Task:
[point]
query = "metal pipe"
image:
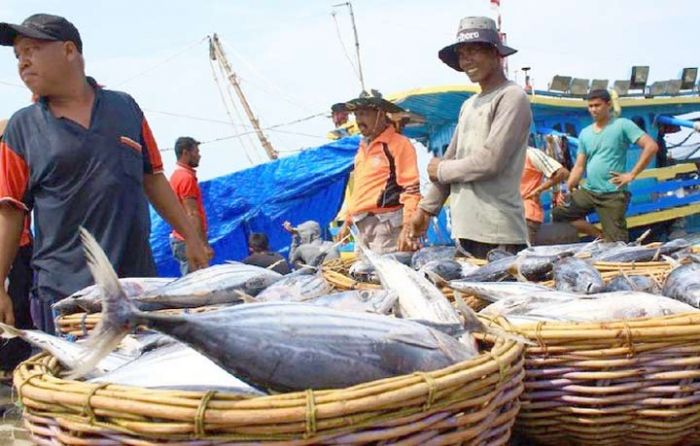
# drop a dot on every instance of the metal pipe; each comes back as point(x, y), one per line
point(668, 120)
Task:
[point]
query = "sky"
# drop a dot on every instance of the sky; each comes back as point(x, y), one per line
point(294, 61)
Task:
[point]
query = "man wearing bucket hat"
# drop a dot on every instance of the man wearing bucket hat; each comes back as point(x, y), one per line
point(484, 161)
point(386, 182)
point(80, 156)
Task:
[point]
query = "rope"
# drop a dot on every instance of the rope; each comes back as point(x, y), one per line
point(538, 337)
point(501, 368)
point(228, 112)
point(26, 381)
point(199, 416)
point(162, 62)
point(83, 324)
point(432, 389)
point(310, 414)
point(628, 338)
point(87, 407)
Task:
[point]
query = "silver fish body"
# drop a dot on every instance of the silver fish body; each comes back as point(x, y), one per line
point(443, 269)
point(363, 271)
point(620, 305)
point(577, 276)
point(370, 301)
point(624, 282)
point(495, 291)
point(69, 354)
point(88, 299)
point(430, 254)
point(683, 284)
point(176, 366)
point(641, 253)
point(295, 288)
point(216, 285)
point(497, 254)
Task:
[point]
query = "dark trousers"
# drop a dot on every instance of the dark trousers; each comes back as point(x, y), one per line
point(480, 250)
point(14, 351)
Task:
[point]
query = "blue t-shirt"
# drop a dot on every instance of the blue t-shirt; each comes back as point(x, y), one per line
point(606, 151)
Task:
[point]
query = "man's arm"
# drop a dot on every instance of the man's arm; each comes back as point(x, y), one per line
point(577, 171)
point(163, 199)
point(11, 224)
point(649, 149)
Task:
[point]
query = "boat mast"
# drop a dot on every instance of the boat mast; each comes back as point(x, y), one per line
point(216, 52)
point(357, 42)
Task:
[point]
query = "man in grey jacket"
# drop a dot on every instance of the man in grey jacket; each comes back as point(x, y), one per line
point(482, 166)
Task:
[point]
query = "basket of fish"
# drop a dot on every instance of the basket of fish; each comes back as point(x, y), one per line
point(614, 362)
point(276, 372)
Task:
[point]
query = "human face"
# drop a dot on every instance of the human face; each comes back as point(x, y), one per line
point(370, 121)
point(599, 109)
point(478, 60)
point(194, 156)
point(41, 64)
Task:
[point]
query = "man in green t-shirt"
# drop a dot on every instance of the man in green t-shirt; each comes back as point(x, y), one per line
point(602, 154)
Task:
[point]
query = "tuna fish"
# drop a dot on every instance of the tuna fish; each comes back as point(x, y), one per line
point(295, 288)
point(497, 254)
point(683, 284)
point(363, 271)
point(69, 354)
point(443, 270)
point(282, 346)
point(370, 301)
point(176, 366)
point(620, 305)
point(625, 282)
point(531, 267)
point(641, 253)
point(216, 285)
point(88, 299)
point(432, 253)
point(495, 291)
point(577, 276)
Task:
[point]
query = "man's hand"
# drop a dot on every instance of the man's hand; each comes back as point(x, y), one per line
point(343, 232)
point(621, 179)
point(287, 226)
point(433, 169)
point(7, 315)
point(406, 242)
point(209, 251)
point(418, 225)
point(197, 255)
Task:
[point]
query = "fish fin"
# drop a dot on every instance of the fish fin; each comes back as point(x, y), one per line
point(279, 262)
point(118, 313)
point(9, 332)
point(514, 269)
point(245, 297)
point(642, 237)
point(629, 281)
point(434, 277)
point(448, 329)
point(463, 251)
point(478, 325)
point(409, 337)
point(673, 262)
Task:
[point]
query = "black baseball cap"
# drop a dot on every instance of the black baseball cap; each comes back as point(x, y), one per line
point(42, 27)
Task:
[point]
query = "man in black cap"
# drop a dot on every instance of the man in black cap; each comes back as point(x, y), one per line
point(483, 164)
point(79, 156)
point(343, 127)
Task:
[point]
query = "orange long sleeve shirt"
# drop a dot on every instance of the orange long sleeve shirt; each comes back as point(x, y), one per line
point(386, 176)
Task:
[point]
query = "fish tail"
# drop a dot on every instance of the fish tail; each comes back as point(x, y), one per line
point(9, 332)
point(118, 314)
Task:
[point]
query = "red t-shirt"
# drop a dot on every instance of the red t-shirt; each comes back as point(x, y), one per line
point(184, 184)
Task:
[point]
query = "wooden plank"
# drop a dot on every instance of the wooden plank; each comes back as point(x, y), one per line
point(666, 214)
point(666, 173)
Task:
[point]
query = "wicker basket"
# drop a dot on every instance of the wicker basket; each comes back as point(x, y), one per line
point(471, 403)
point(614, 383)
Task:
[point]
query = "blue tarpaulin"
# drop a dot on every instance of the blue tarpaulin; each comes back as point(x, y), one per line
point(307, 186)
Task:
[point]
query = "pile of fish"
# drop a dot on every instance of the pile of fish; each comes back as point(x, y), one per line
point(286, 333)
